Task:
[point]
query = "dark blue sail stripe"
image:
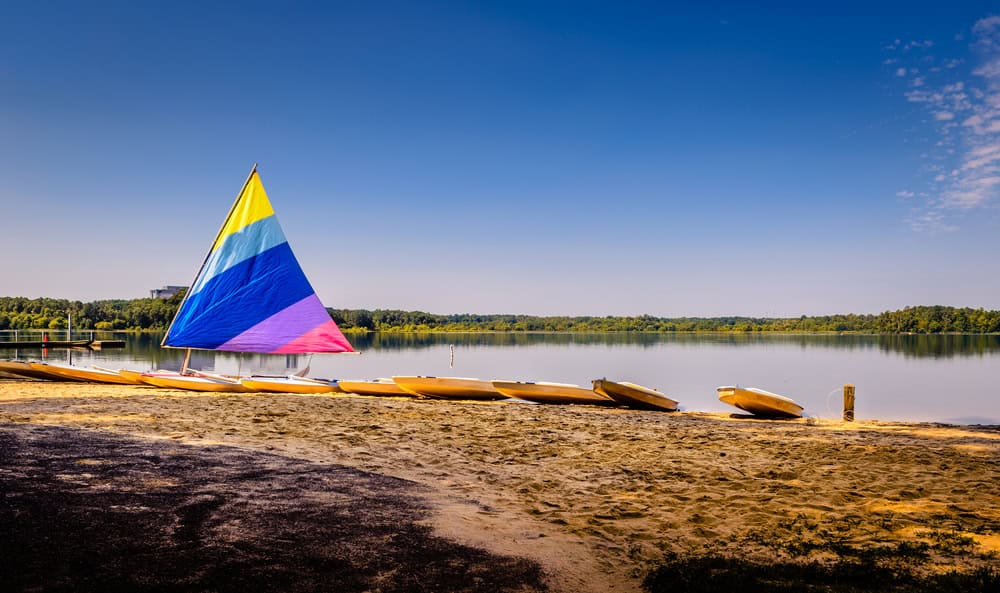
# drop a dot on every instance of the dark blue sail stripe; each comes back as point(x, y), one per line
point(240, 246)
point(239, 298)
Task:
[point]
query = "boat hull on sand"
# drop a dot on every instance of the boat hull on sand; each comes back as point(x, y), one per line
point(193, 383)
point(377, 387)
point(24, 370)
point(74, 373)
point(552, 393)
point(291, 384)
point(634, 396)
point(759, 402)
point(136, 376)
point(448, 387)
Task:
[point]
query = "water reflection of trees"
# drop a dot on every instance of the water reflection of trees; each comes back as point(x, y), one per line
point(146, 346)
point(916, 346)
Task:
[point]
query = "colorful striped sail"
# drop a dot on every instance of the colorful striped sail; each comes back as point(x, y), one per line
point(251, 294)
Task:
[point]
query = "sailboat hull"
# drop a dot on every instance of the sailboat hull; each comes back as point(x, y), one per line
point(24, 370)
point(136, 376)
point(289, 385)
point(376, 387)
point(190, 383)
point(448, 387)
point(72, 373)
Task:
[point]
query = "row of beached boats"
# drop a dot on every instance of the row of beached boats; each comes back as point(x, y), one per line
point(603, 392)
point(236, 305)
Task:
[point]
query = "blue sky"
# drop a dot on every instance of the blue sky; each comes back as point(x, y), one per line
point(521, 157)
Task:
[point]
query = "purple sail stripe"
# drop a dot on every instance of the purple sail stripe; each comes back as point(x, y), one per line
point(282, 327)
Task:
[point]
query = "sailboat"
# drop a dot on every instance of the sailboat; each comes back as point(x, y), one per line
point(250, 295)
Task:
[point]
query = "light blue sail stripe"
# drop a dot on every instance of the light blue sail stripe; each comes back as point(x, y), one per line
point(249, 242)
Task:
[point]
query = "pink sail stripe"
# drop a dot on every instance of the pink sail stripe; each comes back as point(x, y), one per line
point(276, 332)
point(324, 335)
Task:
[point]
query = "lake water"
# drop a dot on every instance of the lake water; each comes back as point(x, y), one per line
point(910, 378)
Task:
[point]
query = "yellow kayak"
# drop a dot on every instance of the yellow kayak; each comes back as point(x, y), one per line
point(759, 402)
point(634, 396)
point(448, 387)
point(552, 393)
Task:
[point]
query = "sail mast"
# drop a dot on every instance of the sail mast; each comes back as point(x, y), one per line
point(163, 342)
point(187, 359)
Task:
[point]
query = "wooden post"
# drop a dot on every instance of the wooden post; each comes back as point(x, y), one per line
point(848, 403)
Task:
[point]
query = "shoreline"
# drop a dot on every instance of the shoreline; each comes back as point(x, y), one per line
point(356, 331)
point(596, 496)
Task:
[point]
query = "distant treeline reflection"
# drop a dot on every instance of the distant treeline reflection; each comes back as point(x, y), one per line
point(156, 314)
point(929, 346)
point(146, 345)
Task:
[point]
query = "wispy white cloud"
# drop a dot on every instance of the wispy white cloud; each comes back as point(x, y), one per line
point(931, 221)
point(964, 109)
point(986, 25)
point(982, 156)
point(899, 44)
point(905, 194)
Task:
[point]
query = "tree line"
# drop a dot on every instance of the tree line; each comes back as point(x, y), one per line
point(918, 320)
point(116, 314)
point(156, 314)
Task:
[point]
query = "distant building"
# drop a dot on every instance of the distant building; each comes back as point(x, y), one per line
point(166, 292)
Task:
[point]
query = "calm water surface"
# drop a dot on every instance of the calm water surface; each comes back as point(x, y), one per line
point(918, 378)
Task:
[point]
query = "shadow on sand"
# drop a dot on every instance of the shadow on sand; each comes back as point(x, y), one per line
point(85, 511)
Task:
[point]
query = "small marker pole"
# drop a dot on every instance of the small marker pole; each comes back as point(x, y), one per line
point(848, 403)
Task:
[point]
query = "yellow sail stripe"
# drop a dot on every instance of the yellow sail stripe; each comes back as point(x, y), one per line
point(251, 206)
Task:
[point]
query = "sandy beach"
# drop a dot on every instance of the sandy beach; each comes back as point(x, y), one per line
point(594, 497)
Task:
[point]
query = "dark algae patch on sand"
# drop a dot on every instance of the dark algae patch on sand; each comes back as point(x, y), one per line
point(719, 573)
point(813, 557)
point(85, 511)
